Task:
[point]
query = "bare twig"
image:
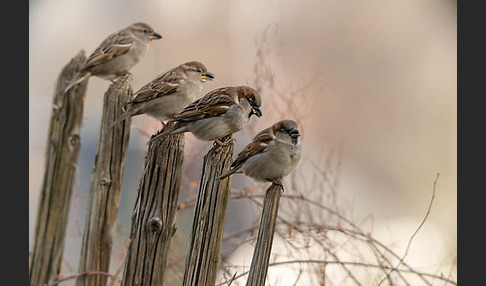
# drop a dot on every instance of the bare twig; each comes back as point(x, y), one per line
point(232, 279)
point(416, 231)
point(73, 276)
point(354, 232)
point(348, 263)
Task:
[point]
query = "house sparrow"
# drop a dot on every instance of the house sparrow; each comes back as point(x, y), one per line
point(168, 93)
point(219, 113)
point(117, 54)
point(272, 154)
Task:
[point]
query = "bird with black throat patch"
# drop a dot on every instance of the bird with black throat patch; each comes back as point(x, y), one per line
point(219, 113)
point(272, 154)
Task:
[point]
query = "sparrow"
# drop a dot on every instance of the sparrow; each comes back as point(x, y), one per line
point(272, 154)
point(117, 54)
point(220, 112)
point(167, 94)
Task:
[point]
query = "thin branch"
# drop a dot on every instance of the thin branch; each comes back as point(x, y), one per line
point(417, 230)
point(355, 231)
point(298, 277)
point(232, 279)
point(73, 276)
point(350, 274)
point(349, 263)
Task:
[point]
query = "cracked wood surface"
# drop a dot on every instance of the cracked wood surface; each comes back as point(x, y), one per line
point(154, 215)
point(263, 247)
point(62, 150)
point(202, 260)
point(106, 184)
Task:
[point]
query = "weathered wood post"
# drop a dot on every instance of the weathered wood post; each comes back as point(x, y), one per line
point(202, 260)
point(263, 247)
point(154, 215)
point(106, 185)
point(62, 151)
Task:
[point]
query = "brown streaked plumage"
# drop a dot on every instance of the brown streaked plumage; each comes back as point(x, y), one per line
point(219, 113)
point(168, 93)
point(117, 54)
point(272, 154)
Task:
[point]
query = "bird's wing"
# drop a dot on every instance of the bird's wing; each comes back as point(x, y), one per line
point(162, 85)
point(214, 103)
point(257, 146)
point(113, 46)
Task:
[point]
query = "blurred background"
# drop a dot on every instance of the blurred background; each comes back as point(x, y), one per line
point(372, 85)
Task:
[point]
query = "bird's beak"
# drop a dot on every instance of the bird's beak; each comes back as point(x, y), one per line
point(155, 36)
point(207, 76)
point(294, 132)
point(256, 111)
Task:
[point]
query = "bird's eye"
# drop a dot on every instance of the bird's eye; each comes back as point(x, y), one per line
point(145, 31)
point(199, 70)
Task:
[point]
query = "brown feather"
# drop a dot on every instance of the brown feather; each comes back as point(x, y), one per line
point(115, 45)
point(256, 146)
point(214, 103)
point(163, 85)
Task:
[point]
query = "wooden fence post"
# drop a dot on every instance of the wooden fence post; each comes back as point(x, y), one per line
point(106, 184)
point(263, 247)
point(153, 219)
point(202, 260)
point(62, 151)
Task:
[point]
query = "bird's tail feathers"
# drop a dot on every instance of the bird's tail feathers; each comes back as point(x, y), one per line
point(229, 173)
point(122, 117)
point(77, 78)
point(174, 129)
point(162, 134)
